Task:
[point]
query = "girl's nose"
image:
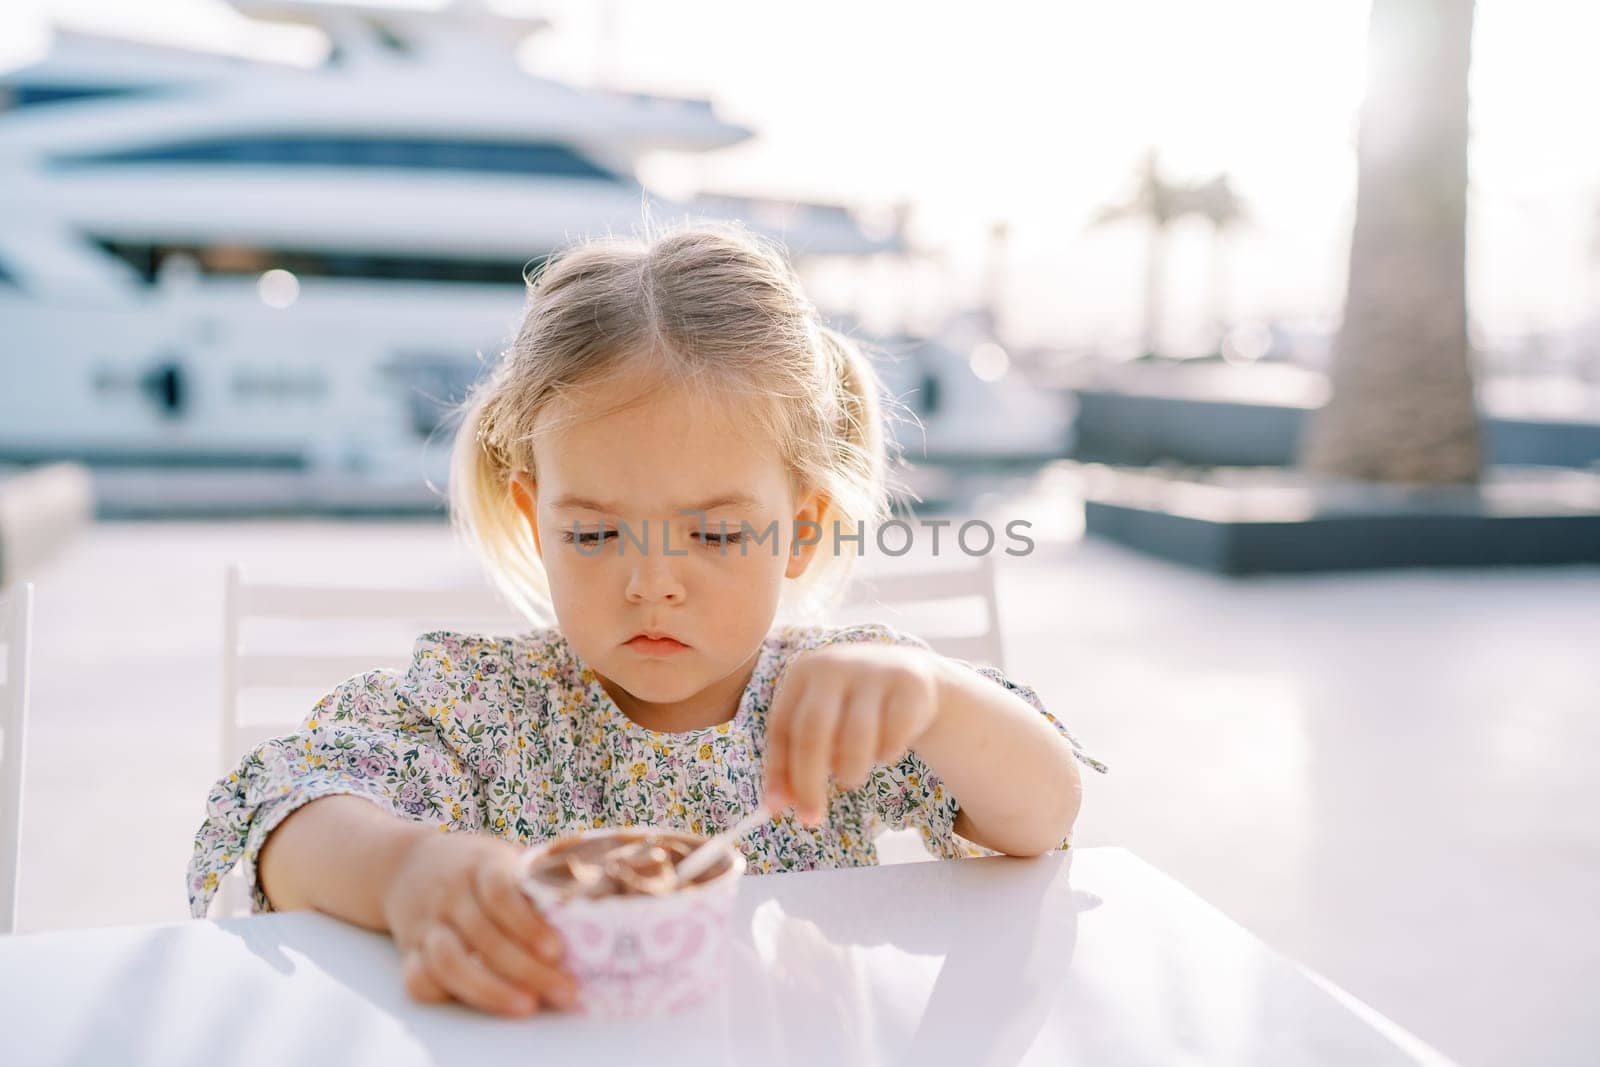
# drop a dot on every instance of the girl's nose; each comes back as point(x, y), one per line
point(654, 576)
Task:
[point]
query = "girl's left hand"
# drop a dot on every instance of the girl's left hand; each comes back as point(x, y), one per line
point(841, 710)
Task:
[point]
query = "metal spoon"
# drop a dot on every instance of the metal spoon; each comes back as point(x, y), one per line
point(701, 859)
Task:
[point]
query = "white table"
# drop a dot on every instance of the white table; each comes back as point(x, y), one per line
point(1085, 957)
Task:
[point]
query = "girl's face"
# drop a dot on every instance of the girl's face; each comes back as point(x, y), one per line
point(615, 513)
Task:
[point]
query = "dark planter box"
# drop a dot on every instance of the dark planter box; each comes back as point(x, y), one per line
point(1150, 426)
point(1273, 525)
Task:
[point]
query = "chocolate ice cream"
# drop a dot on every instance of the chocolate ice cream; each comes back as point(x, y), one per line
point(624, 863)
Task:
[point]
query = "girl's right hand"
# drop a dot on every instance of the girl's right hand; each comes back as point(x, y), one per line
point(467, 931)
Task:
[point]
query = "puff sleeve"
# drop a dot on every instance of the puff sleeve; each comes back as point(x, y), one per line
point(377, 735)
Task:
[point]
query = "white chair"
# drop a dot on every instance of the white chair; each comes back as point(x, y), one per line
point(894, 592)
point(407, 612)
point(928, 598)
point(16, 618)
point(367, 627)
point(243, 601)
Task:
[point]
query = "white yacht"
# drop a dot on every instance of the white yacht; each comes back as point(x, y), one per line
point(216, 262)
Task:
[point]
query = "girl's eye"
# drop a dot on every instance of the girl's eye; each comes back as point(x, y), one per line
point(590, 538)
point(595, 537)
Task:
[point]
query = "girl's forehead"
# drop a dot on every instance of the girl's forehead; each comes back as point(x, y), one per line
point(665, 450)
point(634, 415)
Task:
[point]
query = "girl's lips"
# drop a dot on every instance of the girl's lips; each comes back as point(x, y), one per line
point(656, 645)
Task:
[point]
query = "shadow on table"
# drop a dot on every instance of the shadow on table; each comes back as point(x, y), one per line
point(122, 1006)
point(366, 967)
point(173, 996)
point(942, 961)
point(377, 1019)
point(948, 962)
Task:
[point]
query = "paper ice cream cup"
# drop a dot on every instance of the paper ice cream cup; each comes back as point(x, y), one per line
point(641, 955)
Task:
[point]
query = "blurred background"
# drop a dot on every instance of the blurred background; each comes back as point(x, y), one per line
point(1202, 290)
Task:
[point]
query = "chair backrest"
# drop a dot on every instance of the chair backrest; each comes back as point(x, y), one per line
point(16, 621)
point(922, 601)
point(927, 596)
point(929, 599)
point(362, 629)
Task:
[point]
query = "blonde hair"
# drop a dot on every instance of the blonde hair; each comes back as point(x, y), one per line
point(708, 306)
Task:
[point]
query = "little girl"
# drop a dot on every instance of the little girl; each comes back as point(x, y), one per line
point(649, 464)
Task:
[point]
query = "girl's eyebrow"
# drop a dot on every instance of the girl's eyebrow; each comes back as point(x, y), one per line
point(570, 502)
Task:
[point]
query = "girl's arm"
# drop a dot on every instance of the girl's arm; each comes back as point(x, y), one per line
point(1014, 775)
point(379, 736)
point(451, 902)
point(845, 705)
point(338, 855)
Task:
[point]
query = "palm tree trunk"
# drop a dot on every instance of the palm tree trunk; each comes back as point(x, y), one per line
point(1155, 281)
point(1401, 407)
point(1220, 288)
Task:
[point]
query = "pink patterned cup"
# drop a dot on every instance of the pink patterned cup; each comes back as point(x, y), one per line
point(641, 955)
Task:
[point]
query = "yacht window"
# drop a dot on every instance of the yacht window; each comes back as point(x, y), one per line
point(243, 260)
point(23, 94)
point(508, 157)
point(385, 35)
point(928, 394)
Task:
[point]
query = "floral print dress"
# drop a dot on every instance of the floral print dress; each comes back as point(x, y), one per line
point(516, 737)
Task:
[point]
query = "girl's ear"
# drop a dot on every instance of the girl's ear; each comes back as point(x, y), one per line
point(813, 507)
point(525, 495)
